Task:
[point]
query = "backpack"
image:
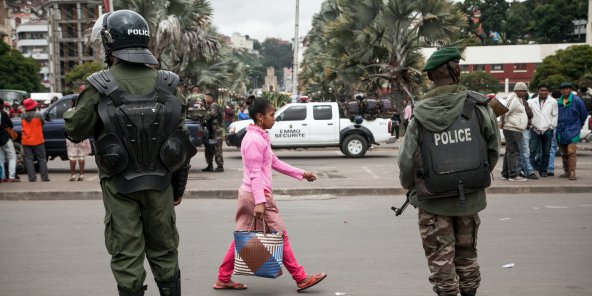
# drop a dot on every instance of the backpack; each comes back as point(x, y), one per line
point(371, 107)
point(353, 108)
point(454, 161)
point(386, 106)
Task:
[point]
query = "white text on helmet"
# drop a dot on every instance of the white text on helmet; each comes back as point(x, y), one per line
point(141, 32)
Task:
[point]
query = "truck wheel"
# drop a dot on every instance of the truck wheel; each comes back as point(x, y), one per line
point(354, 146)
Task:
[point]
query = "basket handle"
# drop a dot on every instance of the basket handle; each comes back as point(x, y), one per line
point(254, 225)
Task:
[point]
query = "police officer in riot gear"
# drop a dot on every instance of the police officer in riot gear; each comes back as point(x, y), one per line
point(142, 152)
point(450, 147)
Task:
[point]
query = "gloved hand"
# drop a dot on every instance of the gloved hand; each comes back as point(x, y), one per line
point(179, 182)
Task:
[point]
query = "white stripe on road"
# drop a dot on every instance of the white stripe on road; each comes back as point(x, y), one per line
point(370, 172)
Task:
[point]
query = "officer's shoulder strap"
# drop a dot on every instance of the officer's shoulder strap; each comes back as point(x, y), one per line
point(477, 98)
point(473, 99)
point(167, 81)
point(104, 82)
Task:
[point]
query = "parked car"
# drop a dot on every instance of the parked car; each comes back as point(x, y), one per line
point(53, 130)
point(303, 125)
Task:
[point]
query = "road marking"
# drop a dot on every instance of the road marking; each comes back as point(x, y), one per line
point(370, 172)
point(556, 207)
point(504, 219)
point(584, 205)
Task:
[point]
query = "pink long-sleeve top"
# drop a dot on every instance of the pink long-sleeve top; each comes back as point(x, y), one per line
point(259, 160)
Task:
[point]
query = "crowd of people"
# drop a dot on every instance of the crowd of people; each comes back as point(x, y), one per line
point(32, 145)
point(535, 127)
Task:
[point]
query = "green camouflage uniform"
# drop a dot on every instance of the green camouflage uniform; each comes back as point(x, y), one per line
point(196, 107)
point(448, 230)
point(137, 224)
point(213, 117)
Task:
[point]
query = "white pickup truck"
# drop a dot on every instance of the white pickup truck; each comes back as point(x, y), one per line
point(304, 125)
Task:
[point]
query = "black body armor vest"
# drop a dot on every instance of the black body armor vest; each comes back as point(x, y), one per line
point(143, 145)
point(454, 161)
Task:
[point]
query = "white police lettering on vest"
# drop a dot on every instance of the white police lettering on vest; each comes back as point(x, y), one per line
point(141, 32)
point(451, 137)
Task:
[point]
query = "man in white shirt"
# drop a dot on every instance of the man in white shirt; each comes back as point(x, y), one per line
point(544, 121)
point(513, 123)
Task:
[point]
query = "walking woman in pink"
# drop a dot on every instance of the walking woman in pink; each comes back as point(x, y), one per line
point(255, 198)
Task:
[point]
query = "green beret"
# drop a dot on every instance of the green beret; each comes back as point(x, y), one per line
point(442, 56)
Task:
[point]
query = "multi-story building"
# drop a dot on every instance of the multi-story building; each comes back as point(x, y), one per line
point(5, 29)
point(32, 41)
point(239, 41)
point(69, 21)
point(508, 63)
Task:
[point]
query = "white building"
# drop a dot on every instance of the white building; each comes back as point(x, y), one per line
point(239, 41)
point(32, 41)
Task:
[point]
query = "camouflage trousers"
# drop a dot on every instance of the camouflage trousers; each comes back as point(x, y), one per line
point(214, 150)
point(450, 245)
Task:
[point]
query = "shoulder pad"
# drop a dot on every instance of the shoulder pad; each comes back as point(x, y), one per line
point(104, 82)
point(167, 81)
point(477, 98)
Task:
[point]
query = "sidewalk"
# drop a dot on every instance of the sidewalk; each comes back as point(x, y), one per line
point(338, 176)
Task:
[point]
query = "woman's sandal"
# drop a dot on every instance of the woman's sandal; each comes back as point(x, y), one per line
point(72, 178)
point(310, 281)
point(81, 178)
point(229, 286)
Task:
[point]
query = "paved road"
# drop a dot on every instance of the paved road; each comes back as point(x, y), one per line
point(56, 247)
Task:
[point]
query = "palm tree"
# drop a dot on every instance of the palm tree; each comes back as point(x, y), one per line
point(181, 32)
point(369, 42)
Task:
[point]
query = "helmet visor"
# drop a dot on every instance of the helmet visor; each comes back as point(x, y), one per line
point(96, 30)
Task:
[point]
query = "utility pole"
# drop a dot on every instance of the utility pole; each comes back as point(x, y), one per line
point(296, 45)
point(589, 24)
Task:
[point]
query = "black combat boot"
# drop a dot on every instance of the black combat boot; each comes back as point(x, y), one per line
point(172, 288)
point(140, 292)
point(219, 169)
point(468, 293)
point(209, 168)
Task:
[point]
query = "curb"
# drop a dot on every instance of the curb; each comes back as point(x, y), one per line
point(232, 193)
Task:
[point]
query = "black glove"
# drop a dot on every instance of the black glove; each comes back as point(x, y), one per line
point(179, 181)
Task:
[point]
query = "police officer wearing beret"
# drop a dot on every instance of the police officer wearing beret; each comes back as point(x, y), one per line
point(449, 149)
point(142, 152)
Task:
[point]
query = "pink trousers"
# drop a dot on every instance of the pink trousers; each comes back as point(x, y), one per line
point(289, 261)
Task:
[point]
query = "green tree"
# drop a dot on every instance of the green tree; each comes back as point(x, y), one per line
point(493, 15)
point(277, 54)
point(573, 64)
point(18, 72)
point(369, 44)
point(519, 22)
point(480, 81)
point(80, 72)
point(553, 19)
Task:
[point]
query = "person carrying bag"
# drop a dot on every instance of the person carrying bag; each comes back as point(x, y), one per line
point(255, 201)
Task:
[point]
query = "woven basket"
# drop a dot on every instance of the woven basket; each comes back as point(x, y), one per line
point(258, 253)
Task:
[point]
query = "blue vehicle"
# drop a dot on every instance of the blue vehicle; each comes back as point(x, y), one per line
point(53, 130)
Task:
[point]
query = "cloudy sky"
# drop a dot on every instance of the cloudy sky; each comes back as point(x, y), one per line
point(263, 18)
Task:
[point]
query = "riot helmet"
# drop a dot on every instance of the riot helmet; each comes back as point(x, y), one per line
point(125, 34)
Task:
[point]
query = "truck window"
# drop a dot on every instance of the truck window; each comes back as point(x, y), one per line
point(322, 112)
point(57, 112)
point(294, 113)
